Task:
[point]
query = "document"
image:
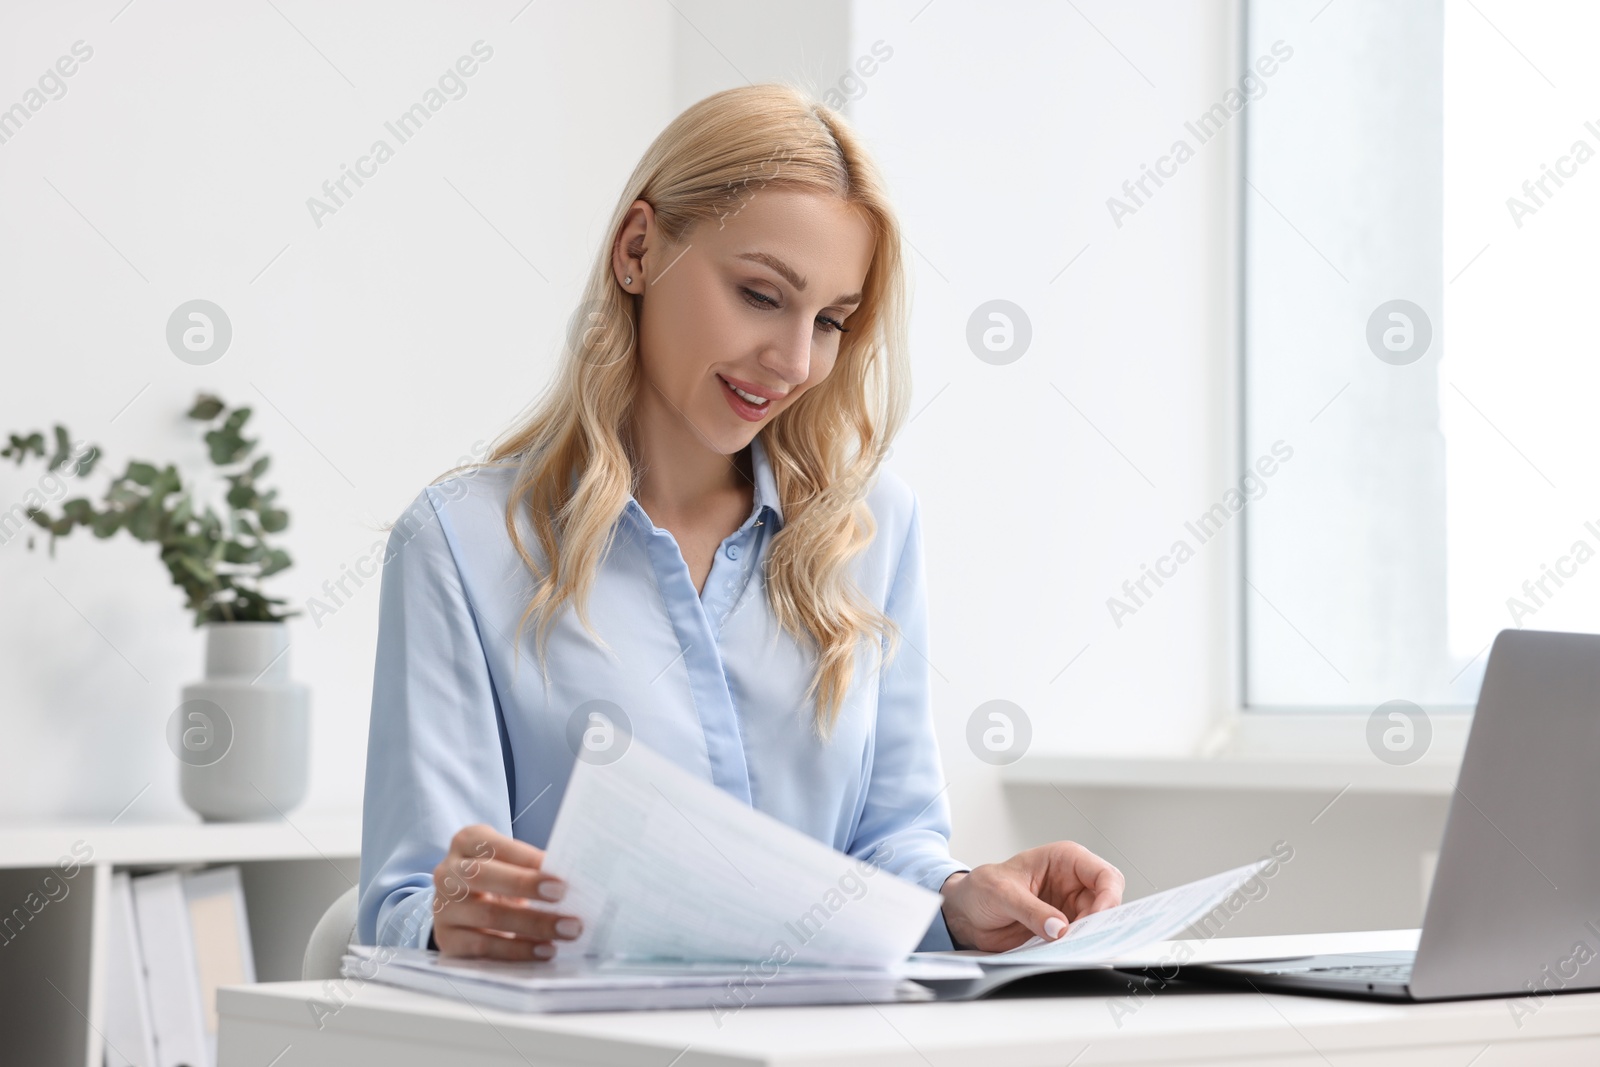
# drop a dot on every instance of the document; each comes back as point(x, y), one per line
point(692, 898)
point(663, 866)
point(586, 984)
point(1121, 930)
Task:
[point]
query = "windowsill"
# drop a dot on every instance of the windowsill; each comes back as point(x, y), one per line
point(1266, 752)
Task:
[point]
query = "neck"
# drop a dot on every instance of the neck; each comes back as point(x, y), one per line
point(680, 474)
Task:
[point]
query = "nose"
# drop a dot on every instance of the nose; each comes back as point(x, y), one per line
point(789, 355)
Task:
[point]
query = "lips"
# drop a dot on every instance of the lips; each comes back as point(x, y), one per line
point(742, 407)
point(747, 396)
point(760, 392)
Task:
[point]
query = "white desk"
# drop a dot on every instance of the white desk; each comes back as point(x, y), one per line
point(396, 1028)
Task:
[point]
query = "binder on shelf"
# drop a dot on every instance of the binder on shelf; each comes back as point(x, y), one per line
point(193, 934)
point(129, 1040)
point(173, 981)
point(221, 937)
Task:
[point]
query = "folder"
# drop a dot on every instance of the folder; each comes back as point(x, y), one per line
point(130, 1042)
point(193, 935)
point(176, 1017)
point(691, 898)
point(221, 937)
point(579, 983)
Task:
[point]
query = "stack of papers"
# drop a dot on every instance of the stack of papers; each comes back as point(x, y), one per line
point(578, 983)
point(690, 898)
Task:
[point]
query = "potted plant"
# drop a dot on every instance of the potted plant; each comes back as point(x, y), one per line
point(242, 734)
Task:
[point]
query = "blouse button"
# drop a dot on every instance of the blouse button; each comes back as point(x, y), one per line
point(732, 551)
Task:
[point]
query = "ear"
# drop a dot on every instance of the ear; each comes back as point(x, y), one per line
point(634, 237)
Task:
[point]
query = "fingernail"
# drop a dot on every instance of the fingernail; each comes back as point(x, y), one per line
point(551, 889)
point(1054, 928)
point(544, 952)
point(568, 927)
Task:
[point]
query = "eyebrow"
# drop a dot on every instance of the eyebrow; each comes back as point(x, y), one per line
point(790, 275)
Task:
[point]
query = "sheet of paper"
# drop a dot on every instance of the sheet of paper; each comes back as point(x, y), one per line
point(661, 865)
point(1128, 927)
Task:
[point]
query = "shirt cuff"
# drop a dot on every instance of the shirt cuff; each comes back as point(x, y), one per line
point(937, 938)
point(409, 923)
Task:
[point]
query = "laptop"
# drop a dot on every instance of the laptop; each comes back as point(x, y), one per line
point(1514, 908)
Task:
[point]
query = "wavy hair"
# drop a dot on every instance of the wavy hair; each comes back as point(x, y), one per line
point(573, 472)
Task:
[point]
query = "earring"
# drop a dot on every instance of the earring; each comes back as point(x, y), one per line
point(628, 280)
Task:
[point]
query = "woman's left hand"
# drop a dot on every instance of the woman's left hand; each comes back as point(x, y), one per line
point(1039, 892)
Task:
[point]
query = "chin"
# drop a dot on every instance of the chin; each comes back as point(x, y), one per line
point(727, 433)
point(737, 441)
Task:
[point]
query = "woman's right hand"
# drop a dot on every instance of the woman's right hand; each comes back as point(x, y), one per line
point(483, 890)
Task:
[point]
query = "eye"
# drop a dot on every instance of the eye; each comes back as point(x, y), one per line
point(763, 300)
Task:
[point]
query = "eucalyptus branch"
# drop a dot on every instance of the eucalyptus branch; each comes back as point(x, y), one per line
point(217, 560)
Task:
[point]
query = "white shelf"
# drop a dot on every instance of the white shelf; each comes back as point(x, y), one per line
point(132, 843)
point(53, 964)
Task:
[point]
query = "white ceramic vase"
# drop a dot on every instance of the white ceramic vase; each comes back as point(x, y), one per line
point(243, 734)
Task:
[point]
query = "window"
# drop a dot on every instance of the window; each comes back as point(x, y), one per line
point(1415, 285)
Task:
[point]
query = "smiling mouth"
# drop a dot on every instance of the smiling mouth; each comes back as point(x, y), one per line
point(749, 398)
point(751, 407)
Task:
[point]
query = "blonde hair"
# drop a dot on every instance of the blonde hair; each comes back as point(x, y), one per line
point(825, 450)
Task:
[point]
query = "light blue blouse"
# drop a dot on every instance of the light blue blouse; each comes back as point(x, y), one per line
point(709, 680)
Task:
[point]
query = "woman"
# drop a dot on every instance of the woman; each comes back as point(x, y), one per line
point(695, 520)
